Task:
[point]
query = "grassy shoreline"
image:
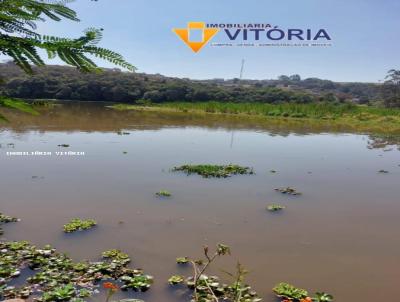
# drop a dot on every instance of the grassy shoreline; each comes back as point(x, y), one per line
point(357, 118)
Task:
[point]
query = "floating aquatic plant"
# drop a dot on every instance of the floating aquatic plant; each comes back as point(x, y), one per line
point(176, 279)
point(288, 292)
point(288, 190)
point(182, 260)
point(323, 297)
point(206, 288)
point(77, 224)
point(116, 256)
point(58, 278)
point(275, 207)
point(6, 219)
point(163, 193)
point(219, 171)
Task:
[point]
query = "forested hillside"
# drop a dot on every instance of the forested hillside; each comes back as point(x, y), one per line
point(62, 82)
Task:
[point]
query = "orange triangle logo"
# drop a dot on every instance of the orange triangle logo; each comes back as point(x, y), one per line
point(207, 35)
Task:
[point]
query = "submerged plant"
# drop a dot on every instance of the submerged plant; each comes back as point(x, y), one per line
point(219, 171)
point(275, 207)
point(77, 224)
point(206, 288)
point(288, 190)
point(163, 193)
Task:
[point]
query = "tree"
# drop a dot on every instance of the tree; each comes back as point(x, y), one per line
point(295, 78)
point(20, 40)
point(391, 89)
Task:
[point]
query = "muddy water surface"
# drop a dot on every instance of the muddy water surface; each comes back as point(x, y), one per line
point(341, 236)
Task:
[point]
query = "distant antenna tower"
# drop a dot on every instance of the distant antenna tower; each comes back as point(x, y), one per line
point(241, 70)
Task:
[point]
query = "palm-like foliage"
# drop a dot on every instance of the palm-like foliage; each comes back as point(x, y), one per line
point(20, 40)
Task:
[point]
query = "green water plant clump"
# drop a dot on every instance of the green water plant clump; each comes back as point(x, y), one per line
point(219, 171)
point(176, 279)
point(288, 190)
point(275, 207)
point(288, 292)
point(182, 260)
point(77, 224)
point(6, 219)
point(163, 193)
point(57, 278)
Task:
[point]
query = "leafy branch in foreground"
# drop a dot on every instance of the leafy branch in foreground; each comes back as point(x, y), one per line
point(209, 288)
point(20, 40)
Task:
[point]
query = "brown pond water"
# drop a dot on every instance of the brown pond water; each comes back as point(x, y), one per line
point(341, 236)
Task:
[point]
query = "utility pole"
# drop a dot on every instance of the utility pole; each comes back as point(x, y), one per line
point(241, 70)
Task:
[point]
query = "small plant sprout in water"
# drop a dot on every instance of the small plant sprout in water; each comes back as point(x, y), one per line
point(218, 171)
point(275, 207)
point(288, 191)
point(163, 193)
point(288, 293)
point(77, 224)
point(205, 288)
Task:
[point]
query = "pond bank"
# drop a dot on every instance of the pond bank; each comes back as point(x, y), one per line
point(352, 117)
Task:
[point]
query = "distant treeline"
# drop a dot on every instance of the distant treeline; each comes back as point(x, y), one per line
point(113, 85)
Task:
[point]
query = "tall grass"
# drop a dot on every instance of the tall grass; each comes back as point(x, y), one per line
point(314, 110)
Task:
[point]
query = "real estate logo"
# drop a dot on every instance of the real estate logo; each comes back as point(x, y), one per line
point(196, 35)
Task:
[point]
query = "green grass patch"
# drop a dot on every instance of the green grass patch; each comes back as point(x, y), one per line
point(351, 116)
